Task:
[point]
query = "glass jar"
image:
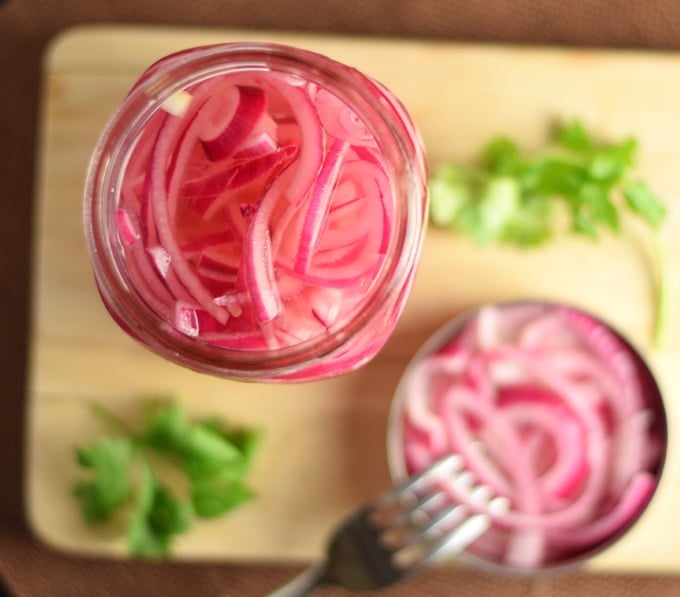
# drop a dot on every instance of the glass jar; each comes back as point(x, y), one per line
point(257, 211)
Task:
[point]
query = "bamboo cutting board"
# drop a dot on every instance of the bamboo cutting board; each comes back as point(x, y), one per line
point(324, 447)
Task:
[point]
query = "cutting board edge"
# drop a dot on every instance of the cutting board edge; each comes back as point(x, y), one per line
point(76, 34)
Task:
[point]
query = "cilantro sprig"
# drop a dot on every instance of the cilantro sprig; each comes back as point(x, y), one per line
point(516, 198)
point(122, 480)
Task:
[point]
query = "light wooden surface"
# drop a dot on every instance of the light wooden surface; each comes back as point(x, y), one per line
point(324, 447)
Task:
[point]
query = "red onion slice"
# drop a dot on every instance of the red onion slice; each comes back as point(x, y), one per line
point(310, 133)
point(319, 203)
point(238, 174)
point(128, 227)
point(159, 203)
point(240, 116)
point(340, 120)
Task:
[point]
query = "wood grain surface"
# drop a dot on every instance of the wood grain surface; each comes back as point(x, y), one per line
point(324, 447)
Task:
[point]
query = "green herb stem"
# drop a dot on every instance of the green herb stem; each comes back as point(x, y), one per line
point(662, 302)
point(112, 419)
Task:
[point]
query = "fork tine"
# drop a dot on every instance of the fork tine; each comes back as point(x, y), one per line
point(435, 536)
point(413, 496)
point(429, 502)
point(406, 512)
point(459, 538)
point(411, 531)
point(480, 496)
point(444, 519)
point(440, 520)
point(455, 539)
point(422, 549)
point(441, 468)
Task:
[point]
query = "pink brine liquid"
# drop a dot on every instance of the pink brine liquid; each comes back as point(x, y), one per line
point(256, 212)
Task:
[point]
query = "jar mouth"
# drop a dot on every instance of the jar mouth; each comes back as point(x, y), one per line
point(395, 136)
point(654, 402)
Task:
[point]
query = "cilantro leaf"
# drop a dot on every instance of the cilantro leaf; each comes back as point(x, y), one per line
point(450, 190)
point(486, 219)
point(214, 457)
point(553, 176)
point(596, 205)
point(157, 518)
point(217, 486)
point(246, 441)
point(109, 460)
point(508, 196)
point(171, 430)
point(530, 225)
point(582, 224)
point(643, 202)
point(573, 135)
point(213, 496)
point(500, 156)
point(610, 162)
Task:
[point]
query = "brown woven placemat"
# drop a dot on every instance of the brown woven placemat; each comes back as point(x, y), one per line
point(30, 569)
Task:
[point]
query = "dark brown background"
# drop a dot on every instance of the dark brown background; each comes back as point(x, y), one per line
point(30, 569)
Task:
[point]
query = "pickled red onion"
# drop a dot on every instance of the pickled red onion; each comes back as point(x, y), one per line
point(243, 112)
point(319, 204)
point(555, 431)
point(159, 203)
point(248, 225)
point(310, 135)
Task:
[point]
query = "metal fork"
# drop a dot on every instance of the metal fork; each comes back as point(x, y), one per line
point(412, 524)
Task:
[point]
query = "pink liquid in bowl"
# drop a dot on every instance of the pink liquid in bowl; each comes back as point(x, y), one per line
point(260, 214)
point(548, 407)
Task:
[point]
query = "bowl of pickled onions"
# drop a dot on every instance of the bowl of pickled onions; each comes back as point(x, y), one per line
point(549, 406)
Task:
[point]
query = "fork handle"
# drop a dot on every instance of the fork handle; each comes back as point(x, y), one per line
point(303, 584)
